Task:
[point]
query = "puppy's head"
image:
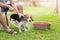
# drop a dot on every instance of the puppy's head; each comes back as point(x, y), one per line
point(28, 17)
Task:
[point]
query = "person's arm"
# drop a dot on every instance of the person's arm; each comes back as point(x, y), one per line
point(4, 5)
point(14, 6)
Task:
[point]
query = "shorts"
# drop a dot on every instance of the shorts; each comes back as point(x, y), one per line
point(5, 9)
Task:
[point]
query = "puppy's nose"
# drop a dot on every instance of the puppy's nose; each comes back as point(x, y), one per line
point(29, 20)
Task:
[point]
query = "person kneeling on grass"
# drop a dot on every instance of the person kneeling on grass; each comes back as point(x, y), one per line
point(12, 6)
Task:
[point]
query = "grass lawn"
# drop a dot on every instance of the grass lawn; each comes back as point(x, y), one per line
point(39, 14)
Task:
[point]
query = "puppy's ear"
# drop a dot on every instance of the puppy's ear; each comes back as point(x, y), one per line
point(32, 19)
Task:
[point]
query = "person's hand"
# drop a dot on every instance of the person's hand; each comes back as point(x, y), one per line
point(11, 8)
point(21, 15)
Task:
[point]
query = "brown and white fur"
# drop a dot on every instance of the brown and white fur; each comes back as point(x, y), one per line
point(21, 21)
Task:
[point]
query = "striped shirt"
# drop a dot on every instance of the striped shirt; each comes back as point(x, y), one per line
point(3, 1)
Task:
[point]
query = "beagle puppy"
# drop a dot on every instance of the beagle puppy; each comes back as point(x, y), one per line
point(21, 21)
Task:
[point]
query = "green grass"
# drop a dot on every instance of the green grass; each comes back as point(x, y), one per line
point(39, 14)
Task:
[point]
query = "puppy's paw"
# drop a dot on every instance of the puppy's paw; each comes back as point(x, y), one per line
point(0, 27)
point(19, 30)
point(25, 29)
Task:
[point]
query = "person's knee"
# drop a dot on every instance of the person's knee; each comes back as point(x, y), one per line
point(21, 7)
point(0, 14)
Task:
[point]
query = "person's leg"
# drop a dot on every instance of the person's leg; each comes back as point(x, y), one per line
point(2, 21)
point(20, 8)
